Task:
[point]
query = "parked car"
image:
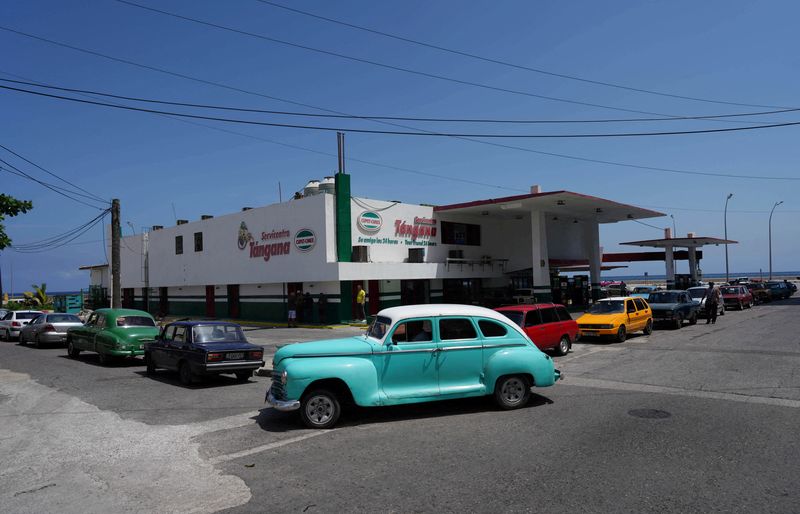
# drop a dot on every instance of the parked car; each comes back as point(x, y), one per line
point(673, 307)
point(48, 329)
point(112, 333)
point(759, 291)
point(644, 291)
point(616, 317)
point(13, 321)
point(549, 325)
point(737, 297)
point(411, 354)
point(199, 348)
point(791, 285)
point(779, 290)
point(3, 313)
point(698, 295)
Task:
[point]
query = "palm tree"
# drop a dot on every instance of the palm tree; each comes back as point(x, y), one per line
point(38, 298)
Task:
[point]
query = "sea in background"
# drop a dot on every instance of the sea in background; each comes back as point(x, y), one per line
point(790, 275)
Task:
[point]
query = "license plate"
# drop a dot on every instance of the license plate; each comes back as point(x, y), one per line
point(234, 356)
point(589, 332)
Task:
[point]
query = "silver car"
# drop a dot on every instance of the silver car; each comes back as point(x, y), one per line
point(13, 321)
point(698, 295)
point(48, 329)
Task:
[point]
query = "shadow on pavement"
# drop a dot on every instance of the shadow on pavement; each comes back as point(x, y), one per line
point(212, 381)
point(606, 340)
point(94, 359)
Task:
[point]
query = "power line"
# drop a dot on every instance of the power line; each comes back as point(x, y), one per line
point(383, 65)
point(47, 185)
point(57, 241)
point(293, 102)
point(510, 64)
point(407, 133)
point(647, 224)
point(391, 118)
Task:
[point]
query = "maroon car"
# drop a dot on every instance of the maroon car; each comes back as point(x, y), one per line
point(737, 296)
point(549, 325)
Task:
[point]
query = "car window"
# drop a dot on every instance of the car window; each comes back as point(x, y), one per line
point(217, 334)
point(135, 321)
point(456, 328)
point(92, 320)
point(37, 320)
point(549, 315)
point(533, 318)
point(630, 306)
point(379, 327)
point(8, 315)
point(63, 318)
point(101, 321)
point(169, 333)
point(179, 335)
point(515, 316)
point(417, 331)
point(491, 328)
point(28, 315)
point(563, 315)
point(639, 304)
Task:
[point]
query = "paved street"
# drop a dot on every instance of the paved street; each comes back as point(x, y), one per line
point(694, 420)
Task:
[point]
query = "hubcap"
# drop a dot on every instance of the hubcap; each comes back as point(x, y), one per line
point(513, 391)
point(564, 345)
point(319, 409)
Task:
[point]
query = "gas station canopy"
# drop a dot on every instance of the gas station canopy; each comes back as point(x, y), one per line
point(688, 242)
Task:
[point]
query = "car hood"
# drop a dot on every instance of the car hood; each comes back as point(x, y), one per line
point(600, 318)
point(664, 306)
point(325, 348)
point(228, 346)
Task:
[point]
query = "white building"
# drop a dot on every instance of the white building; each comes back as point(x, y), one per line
point(244, 265)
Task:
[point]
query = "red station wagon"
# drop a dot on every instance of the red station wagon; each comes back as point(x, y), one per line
point(548, 325)
point(737, 297)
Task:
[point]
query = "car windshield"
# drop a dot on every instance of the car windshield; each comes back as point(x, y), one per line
point(664, 298)
point(515, 316)
point(63, 318)
point(27, 315)
point(730, 290)
point(379, 327)
point(697, 292)
point(607, 307)
point(217, 334)
point(135, 321)
point(642, 289)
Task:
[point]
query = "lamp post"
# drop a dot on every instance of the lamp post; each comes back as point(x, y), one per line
point(727, 277)
point(674, 230)
point(770, 237)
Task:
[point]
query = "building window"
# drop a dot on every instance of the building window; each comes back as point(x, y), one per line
point(198, 241)
point(178, 245)
point(461, 234)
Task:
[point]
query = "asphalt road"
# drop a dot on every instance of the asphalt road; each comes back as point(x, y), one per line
point(700, 419)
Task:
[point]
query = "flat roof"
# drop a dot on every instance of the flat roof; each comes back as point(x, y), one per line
point(688, 242)
point(94, 266)
point(566, 203)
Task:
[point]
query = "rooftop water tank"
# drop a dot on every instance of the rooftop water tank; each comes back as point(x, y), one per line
point(327, 185)
point(312, 188)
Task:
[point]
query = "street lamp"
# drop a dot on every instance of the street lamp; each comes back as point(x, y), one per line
point(674, 230)
point(727, 277)
point(770, 237)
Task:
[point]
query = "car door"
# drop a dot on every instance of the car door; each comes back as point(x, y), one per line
point(159, 347)
point(549, 329)
point(175, 347)
point(80, 336)
point(634, 316)
point(532, 326)
point(460, 356)
point(407, 366)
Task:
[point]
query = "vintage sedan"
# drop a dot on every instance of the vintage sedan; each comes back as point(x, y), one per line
point(759, 291)
point(112, 333)
point(48, 329)
point(411, 354)
point(549, 325)
point(199, 348)
point(616, 317)
point(673, 307)
point(736, 297)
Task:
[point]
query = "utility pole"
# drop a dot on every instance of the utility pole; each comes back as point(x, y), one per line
point(727, 275)
point(116, 231)
point(770, 237)
point(146, 252)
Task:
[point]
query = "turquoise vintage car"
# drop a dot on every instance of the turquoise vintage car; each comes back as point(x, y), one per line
point(112, 333)
point(411, 354)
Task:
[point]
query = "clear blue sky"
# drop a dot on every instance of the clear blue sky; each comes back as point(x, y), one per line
point(733, 51)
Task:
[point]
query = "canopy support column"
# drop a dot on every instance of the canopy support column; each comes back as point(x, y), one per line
point(542, 288)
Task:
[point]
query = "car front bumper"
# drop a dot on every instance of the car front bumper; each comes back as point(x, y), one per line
point(597, 332)
point(124, 353)
point(282, 405)
point(230, 367)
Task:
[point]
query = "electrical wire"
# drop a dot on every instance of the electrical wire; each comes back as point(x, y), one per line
point(391, 118)
point(371, 163)
point(647, 224)
point(59, 240)
point(380, 64)
point(407, 133)
point(510, 64)
point(28, 177)
point(47, 185)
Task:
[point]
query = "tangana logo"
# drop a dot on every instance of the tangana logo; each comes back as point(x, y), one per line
point(305, 239)
point(244, 236)
point(370, 221)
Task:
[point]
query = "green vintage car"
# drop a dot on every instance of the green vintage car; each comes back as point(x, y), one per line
point(112, 333)
point(411, 354)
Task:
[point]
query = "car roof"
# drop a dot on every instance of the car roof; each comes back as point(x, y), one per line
point(194, 323)
point(672, 291)
point(526, 307)
point(36, 312)
point(438, 309)
point(618, 298)
point(123, 312)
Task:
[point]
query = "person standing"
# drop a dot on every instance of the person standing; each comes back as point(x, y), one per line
point(361, 298)
point(712, 296)
point(292, 307)
point(322, 306)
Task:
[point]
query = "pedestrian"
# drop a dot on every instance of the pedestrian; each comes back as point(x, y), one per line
point(623, 289)
point(308, 307)
point(361, 298)
point(322, 306)
point(711, 296)
point(292, 304)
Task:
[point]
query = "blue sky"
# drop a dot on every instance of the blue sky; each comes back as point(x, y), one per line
point(732, 51)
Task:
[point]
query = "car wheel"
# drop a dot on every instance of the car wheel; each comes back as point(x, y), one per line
point(621, 334)
point(243, 376)
point(150, 367)
point(36, 341)
point(512, 392)
point(693, 319)
point(185, 372)
point(21, 340)
point(72, 352)
point(6, 337)
point(648, 328)
point(678, 322)
point(320, 408)
point(104, 359)
point(741, 306)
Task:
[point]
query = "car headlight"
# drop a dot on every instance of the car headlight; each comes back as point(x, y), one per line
point(284, 377)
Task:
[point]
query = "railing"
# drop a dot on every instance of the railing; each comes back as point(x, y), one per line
point(482, 262)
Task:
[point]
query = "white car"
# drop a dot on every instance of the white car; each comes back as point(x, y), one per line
point(13, 321)
point(698, 296)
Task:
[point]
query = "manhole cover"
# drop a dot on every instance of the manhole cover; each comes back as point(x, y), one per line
point(649, 413)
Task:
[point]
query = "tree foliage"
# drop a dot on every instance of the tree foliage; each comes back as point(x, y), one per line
point(38, 298)
point(10, 206)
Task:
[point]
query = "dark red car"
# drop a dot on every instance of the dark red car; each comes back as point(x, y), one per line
point(549, 325)
point(736, 297)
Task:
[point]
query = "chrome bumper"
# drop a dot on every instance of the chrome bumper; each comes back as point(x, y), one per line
point(282, 405)
point(558, 374)
point(236, 365)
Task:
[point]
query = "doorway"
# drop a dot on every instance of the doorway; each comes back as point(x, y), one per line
point(211, 308)
point(414, 292)
point(233, 300)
